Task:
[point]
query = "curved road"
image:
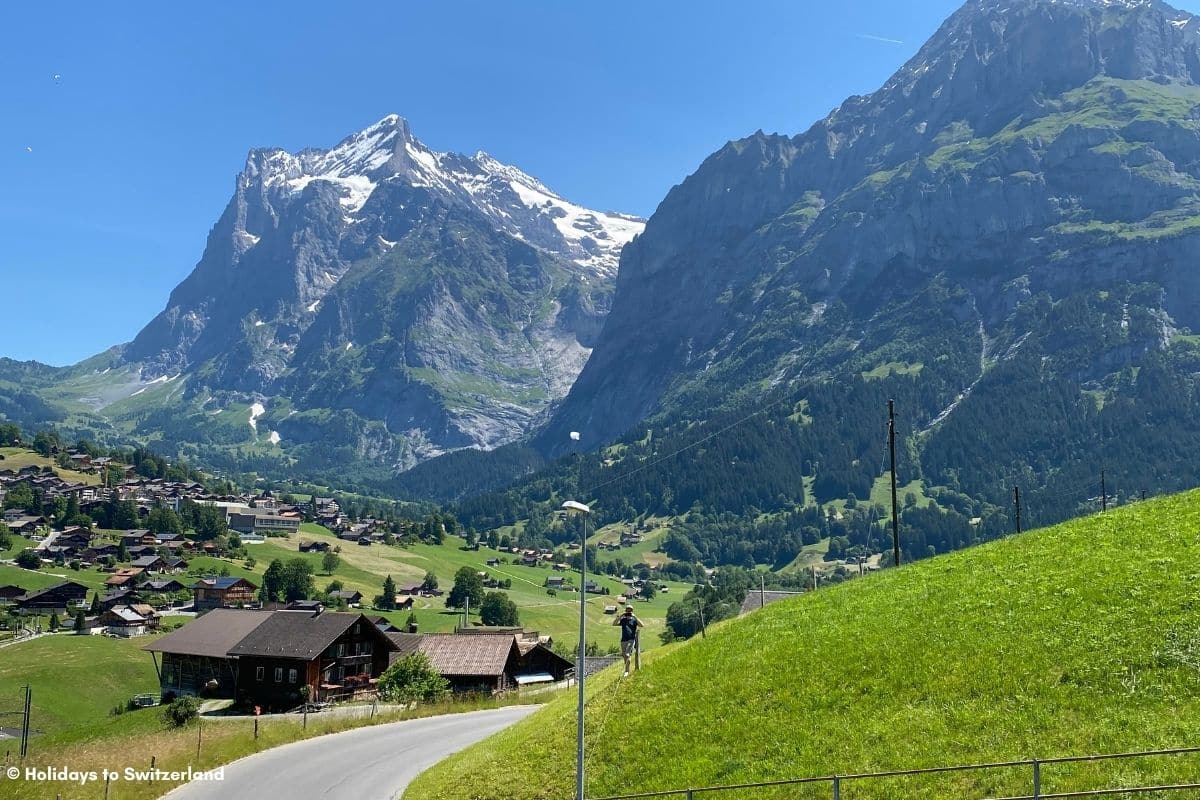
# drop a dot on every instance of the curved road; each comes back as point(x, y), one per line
point(373, 763)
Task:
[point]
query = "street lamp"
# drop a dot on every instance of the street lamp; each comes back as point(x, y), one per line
point(580, 508)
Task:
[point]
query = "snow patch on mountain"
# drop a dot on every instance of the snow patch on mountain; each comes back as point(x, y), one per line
point(256, 411)
point(515, 202)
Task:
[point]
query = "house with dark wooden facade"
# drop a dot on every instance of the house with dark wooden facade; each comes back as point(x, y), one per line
point(338, 656)
point(210, 593)
point(197, 654)
point(58, 597)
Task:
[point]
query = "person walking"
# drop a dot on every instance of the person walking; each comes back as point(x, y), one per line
point(629, 634)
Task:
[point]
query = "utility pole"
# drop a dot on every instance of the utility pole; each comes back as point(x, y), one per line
point(1017, 503)
point(467, 613)
point(1143, 494)
point(700, 610)
point(892, 452)
point(762, 591)
point(25, 722)
point(1103, 494)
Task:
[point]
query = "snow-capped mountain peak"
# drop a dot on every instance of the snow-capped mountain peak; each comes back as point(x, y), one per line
point(514, 201)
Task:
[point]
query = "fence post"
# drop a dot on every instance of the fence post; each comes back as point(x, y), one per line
point(1037, 779)
point(689, 794)
point(837, 788)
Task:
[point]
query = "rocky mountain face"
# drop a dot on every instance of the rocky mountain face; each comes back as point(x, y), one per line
point(1012, 219)
point(385, 299)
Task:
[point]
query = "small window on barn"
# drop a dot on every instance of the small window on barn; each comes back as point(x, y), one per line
point(258, 673)
point(291, 676)
point(366, 647)
point(279, 674)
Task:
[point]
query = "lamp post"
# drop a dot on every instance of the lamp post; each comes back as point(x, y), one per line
point(569, 506)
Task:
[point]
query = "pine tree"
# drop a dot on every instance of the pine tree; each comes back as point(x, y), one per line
point(80, 622)
point(387, 600)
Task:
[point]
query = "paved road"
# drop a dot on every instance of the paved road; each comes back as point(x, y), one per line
point(374, 763)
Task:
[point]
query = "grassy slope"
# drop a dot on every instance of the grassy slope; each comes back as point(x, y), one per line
point(16, 458)
point(1075, 639)
point(89, 675)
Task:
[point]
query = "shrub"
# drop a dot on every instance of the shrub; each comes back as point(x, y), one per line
point(28, 559)
point(181, 711)
point(412, 678)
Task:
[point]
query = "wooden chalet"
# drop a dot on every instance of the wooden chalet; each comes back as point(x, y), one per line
point(210, 593)
point(58, 597)
point(339, 656)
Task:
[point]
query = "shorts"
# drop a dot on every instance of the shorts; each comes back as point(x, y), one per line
point(628, 646)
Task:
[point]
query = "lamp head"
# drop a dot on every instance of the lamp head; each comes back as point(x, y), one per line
point(571, 505)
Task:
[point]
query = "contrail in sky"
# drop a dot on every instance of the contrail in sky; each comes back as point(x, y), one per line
point(874, 38)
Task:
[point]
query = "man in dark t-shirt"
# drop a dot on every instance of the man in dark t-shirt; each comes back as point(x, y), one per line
point(629, 633)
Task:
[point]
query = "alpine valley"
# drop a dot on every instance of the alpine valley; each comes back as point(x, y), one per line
point(1004, 239)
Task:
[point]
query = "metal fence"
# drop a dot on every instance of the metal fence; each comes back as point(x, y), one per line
point(834, 785)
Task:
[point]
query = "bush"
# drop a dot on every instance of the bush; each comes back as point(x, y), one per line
point(181, 711)
point(29, 559)
point(412, 678)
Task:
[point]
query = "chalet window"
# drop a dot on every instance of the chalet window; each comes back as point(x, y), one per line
point(258, 673)
point(291, 676)
point(279, 674)
point(341, 650)
point(366, 648)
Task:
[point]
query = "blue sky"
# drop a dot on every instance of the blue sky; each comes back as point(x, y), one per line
point(133, 150)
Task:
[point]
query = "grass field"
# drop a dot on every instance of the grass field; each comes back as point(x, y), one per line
point(76, 680)
point(1077, 639)
point(363, 568)
point(16, 458)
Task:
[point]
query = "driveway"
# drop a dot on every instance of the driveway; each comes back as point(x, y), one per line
point(374, 763)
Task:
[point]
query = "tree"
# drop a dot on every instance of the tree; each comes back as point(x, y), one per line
point(498, 609)
point(95, 604)
point(210, 523)
point(412, 678)
point(20, 496)
point(330, 561)
point(430, 583)
point(124, 515)
point(271, 589)
point(163, 520)
point(468, 587)
point(298, 581)
point(387, 599)
point(80, 621)
point(54, 623)
point(122, 551)
point(648, 590)
point(29, 559)
point(6, 540)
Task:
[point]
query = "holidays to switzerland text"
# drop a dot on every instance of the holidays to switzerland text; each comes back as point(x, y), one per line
point(82, 777)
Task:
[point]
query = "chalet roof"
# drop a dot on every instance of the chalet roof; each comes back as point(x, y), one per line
point(211, 634)
point(298, 634)
point(406, 643)
point(33, 595)
point(164, 584)
point(126, 614)
point(454, 654)
point(346, 594)
point(146, 561)
point(220, 583)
